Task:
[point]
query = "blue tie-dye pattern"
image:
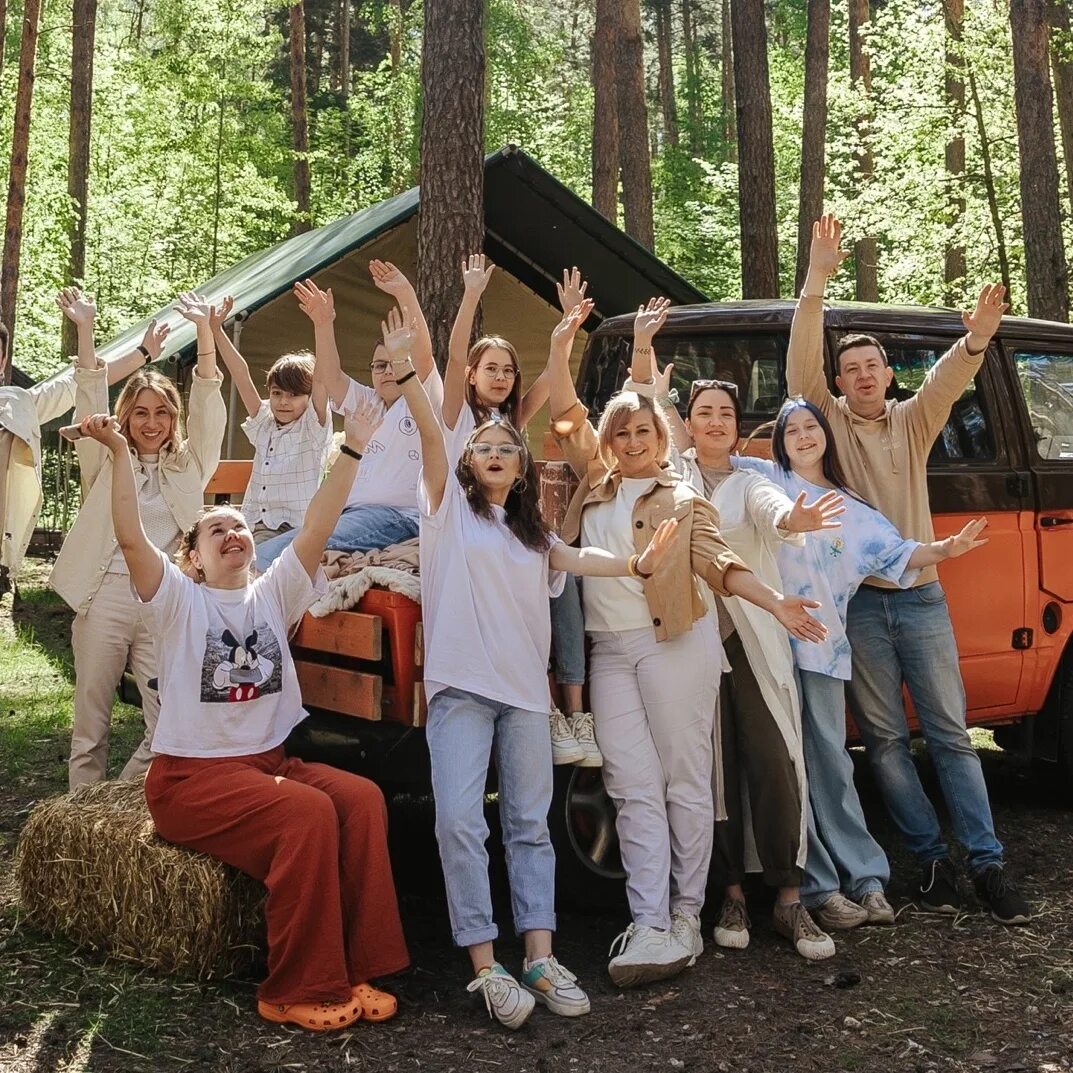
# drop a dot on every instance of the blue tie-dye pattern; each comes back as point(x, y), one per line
point(832, 565)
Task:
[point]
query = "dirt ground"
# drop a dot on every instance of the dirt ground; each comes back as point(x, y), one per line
point(928, 994)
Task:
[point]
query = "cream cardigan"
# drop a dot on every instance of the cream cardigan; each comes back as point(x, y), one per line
point(184, 473)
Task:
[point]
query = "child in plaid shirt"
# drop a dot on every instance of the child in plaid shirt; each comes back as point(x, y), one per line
point(291, 433)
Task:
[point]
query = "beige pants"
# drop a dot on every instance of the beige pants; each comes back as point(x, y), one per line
point(104, 638)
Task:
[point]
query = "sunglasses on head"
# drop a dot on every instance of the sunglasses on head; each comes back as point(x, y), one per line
point(504, 450)
point(704, 385)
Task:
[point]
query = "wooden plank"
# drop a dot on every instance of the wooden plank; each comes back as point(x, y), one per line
point(419, 645)
point(343, 633)
point(231, 477)
point(336, 689)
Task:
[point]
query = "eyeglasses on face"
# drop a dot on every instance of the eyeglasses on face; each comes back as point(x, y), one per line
point(504, 450)
point(379, 366)
point(508, 372)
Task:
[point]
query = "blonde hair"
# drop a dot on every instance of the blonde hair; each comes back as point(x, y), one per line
point(618, 411)
point(188, 541)
point(163, 387)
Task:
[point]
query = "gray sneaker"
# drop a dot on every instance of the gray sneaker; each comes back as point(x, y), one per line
point(794, 923)
point(838, 913)
point(732, 930)
point(879, 910)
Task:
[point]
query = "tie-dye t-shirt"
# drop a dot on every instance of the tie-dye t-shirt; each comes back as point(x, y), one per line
point(832, 564)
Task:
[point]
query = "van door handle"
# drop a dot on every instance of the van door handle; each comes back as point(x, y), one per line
point(1049, 521)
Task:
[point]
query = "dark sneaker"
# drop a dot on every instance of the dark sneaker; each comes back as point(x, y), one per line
point(939, 891)
point(997, 894)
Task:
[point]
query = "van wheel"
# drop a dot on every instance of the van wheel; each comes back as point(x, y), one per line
point(588, 866)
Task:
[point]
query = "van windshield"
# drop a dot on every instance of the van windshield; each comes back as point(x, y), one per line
point(1046, 381)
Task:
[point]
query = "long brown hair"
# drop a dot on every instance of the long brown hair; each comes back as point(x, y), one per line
point(522, 507)
point(159, 385)
point(512, 403)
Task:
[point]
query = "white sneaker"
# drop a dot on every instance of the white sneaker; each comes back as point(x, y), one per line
point(548, 982)
point(504, 997)
point(646, 954)
point(685, 929)
point(583, 727)
point(564, 746)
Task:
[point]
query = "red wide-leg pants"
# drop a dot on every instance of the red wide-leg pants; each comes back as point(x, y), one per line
point(317, 838)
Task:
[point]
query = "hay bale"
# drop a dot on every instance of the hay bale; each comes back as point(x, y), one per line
point(91, 867)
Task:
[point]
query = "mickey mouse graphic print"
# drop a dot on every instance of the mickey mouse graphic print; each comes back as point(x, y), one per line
point(227, 682)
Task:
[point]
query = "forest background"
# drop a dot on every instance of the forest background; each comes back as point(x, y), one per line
point(204, 130)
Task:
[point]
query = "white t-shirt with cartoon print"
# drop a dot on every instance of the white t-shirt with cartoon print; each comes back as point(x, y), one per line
point(391, 462)
point(227, 682)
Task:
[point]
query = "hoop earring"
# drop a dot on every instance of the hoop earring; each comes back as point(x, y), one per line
point(520, 485)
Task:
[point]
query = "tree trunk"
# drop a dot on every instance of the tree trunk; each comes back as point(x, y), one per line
point(83, 30)
point(730, 133)
point(813, 131)
point(395, 34)
point(344, 50)
point(1045, 259)
point(756, 153)
point(633, 149)
point(299, 118)
point(860, 70)
point(665, 46)
point(16, 187)
point(451, 218)
point(3, 32)
point(989, 184)
point(955, 269)
point(689, 48)
point(605, 129)
point(1062, 66)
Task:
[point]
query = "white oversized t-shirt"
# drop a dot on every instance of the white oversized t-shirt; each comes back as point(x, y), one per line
point(227, 682)
point(391, 462)
point(484, 600)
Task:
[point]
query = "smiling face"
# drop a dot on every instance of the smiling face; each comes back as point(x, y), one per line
point(285, 405)
point(495, 458)
point(713, 424)
point(149, 422)
point(633, 436)
point(863, 377)
point(493, 376)
point(223, 548)
point(383, 373)
point(804, 440)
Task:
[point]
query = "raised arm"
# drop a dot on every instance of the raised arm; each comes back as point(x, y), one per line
point(938, 551)
point(645, 375)
point(804, 359)
point(391, 281)
point(330, 498)
point(198, 311)
point(233, 361)
point(81, 310)
point(328, 375)
point(143, 560)
point(476, 272)
point(398, 339)
point(929, 409)
point(562, 394)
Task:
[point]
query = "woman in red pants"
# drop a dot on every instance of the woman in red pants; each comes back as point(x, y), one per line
point(222, 783)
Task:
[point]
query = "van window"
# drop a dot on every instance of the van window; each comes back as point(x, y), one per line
point(1046, 381)
point(967, 435)
point(753, 360)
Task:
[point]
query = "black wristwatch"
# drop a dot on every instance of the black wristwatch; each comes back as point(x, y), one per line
point(347, 450)
point(144, 353)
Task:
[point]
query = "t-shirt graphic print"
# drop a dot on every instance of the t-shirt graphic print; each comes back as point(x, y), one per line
point(236, 669)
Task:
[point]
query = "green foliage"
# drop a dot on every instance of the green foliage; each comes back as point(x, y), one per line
point(192, 162)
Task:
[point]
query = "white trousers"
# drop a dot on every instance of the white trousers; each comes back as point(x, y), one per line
point(654, 704)
point(104, 638)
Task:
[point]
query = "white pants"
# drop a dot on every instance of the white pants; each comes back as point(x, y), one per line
point(103, 638)
point(654, 704)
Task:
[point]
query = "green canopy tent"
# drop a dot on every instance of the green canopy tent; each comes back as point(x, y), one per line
point(534, 227)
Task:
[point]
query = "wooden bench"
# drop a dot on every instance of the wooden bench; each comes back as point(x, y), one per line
point(364, 663)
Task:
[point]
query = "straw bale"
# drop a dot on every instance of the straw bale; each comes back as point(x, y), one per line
point(91, 867)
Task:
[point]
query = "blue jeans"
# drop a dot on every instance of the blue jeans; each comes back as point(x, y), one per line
point(568, 635)
point(360, 528)
point(462, 729)
point(906, 635)
point(842, 855)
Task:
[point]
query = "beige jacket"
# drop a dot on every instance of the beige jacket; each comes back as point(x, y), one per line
point(22, 413)
point(886, 458)
point(675, 600)
point(184, 473)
